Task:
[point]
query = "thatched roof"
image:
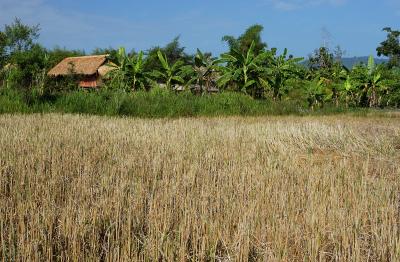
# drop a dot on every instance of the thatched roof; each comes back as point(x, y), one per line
point(82, 65)
point(106, 68)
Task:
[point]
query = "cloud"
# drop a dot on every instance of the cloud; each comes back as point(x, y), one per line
point(289, 5)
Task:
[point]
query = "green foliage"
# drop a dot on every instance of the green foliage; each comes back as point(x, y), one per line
point(317, 94)
point(12, 101)
point(111, 52)
point(244, 72)
point(156, 103)
point(18, 37)
point(279, 70)
point(391, 47)
point(57, 54)
point(326, 64)
point(243, 42)
point(203, 73)
point(369, 82)
point(3, 44)
point(173, 51)
point(128, 72)
point(150, 84)
point(170, 73)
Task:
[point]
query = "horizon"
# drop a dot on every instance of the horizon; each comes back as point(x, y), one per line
point(304, 25)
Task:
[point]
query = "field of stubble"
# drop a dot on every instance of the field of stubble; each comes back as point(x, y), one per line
point(80, 188)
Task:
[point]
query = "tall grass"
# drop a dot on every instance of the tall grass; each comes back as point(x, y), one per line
point(155, 104)
point(86, 188)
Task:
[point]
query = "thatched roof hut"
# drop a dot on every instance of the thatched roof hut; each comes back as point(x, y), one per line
point(90, 69)
point(82, 65)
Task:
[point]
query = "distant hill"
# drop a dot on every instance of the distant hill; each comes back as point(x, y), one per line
point(350, 62)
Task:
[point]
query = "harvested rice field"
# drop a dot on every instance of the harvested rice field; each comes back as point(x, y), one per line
point(87, 188)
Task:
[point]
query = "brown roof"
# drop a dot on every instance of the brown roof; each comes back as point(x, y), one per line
point(82, 65)
point(106, 68)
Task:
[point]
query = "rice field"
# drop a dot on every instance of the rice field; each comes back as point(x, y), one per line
point(87, 188)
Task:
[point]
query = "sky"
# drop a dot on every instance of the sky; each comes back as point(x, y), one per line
point(299, 25)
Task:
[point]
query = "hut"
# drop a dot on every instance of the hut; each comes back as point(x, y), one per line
point(90, 69)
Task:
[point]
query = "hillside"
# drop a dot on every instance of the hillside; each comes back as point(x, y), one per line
point(349, 62)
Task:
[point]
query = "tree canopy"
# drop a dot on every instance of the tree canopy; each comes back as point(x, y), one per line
point(391, 46)
point(244, 41)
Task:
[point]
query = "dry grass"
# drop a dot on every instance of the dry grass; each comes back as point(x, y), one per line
point(279, 189)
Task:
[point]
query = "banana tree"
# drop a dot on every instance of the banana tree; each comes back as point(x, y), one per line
point(138, 75)
point(204, 71)
point(170, 74)
point(244, 72)
point(339, 74)
point(316, 93)
point(129, 72)
point(370, 81)
point(348, 90)
point(280, 69)
point(374, 83)
point(119, 70)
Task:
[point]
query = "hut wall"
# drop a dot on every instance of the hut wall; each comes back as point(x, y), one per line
point(89, 81)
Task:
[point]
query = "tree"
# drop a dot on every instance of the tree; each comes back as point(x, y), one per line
point(128, 72)
point(327, 66)
point(173, 51)
point(20, 53)
point(57, 54)
point(349, 91)
point(27, 64)
point(16, 37)
point(369, 81)
point(391, 47)
point(111, 52)
point(3, 43)
point(280, 69)
point(243, 42)
point(169, 72)
point(203, 71)
point(244, 72)
point(20, 37)
point(316, 93)
point(322, 60)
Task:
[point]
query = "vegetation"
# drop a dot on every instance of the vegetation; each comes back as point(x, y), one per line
point(391, 47)
point(249, 67)
point(159, 102)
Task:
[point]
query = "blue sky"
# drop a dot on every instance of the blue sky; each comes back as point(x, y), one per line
point(299, 25)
